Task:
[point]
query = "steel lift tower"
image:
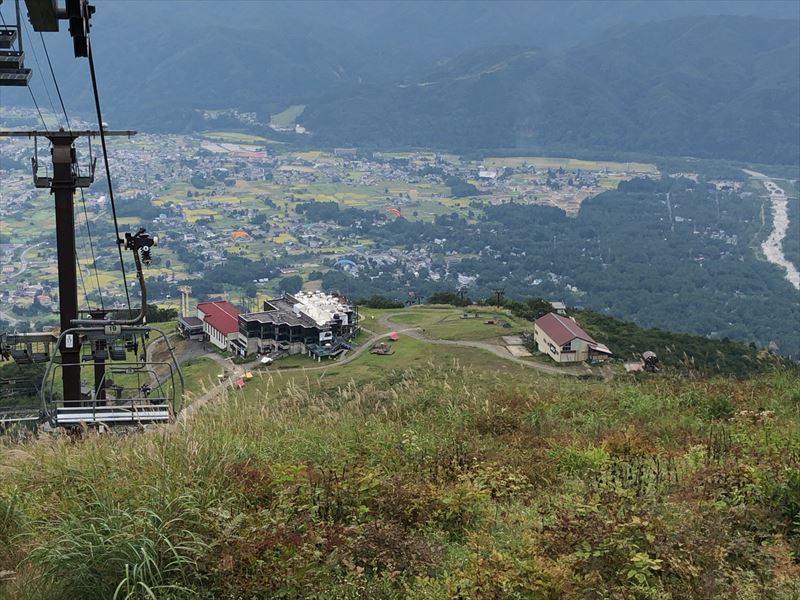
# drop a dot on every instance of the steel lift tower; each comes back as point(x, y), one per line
point(105, 336)
point(63, 185)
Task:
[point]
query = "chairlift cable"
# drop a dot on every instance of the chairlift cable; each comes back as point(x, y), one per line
point(55, 81)
point(91, 248)
point(78, 259)
point(44, 85)
point(80, 276)
point(107, 168)
point(36, 104)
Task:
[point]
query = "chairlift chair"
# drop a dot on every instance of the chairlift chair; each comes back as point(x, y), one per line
point(131, 392)
point(12, 60)
point(26, 348)
point(145, 390)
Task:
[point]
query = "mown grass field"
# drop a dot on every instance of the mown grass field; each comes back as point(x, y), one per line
point(447, 323)
point(286, 118)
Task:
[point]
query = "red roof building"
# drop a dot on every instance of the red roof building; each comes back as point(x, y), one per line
point(220, 322)
point(565, 341)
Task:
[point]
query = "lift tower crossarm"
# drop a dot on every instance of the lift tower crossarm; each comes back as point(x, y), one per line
point(75, 133)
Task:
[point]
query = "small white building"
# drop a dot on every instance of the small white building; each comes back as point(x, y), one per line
point(563, 340)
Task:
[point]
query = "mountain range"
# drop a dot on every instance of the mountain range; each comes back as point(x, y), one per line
point(708, 87)
point(681, 78)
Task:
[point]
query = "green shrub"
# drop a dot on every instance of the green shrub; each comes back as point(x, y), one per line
point(579, 461)
point(719, 408)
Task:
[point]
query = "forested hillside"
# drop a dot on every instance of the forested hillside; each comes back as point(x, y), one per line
point(671, 253)
point(708, 87)
point(716, 86)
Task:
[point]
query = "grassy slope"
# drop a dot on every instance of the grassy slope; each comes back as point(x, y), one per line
point(422, 483)
point(431, 473)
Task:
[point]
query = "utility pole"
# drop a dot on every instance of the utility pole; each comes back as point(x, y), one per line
point(498, 296)
point(65, 180)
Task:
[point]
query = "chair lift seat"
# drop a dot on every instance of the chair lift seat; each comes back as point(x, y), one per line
point(12, 59)
point(69, 415)
point(8, 35)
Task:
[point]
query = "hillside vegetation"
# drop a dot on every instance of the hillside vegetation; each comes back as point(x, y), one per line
point(440, 481)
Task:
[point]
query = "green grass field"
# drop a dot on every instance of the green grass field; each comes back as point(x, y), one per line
point(409, 353)
point(200, 375)
point(287, 118)
point(447, 323)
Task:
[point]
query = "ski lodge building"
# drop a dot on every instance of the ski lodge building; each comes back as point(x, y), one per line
point(563, 340)
point(220, 323)
point(316, 324)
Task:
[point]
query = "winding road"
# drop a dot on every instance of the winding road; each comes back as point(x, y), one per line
point(7, 316)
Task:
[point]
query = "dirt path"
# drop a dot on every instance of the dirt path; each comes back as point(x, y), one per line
point(499, 351)
point(233, 370)
point(773, 245)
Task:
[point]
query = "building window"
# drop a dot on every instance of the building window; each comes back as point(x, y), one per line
point(567, 347)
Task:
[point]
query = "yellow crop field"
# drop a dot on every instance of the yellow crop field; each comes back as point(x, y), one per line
point(193, 214)
point(283, 238)
point(548, 162)
point(311, 155)
point(610, 183)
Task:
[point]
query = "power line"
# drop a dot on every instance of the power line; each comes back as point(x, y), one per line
point(107, 168)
